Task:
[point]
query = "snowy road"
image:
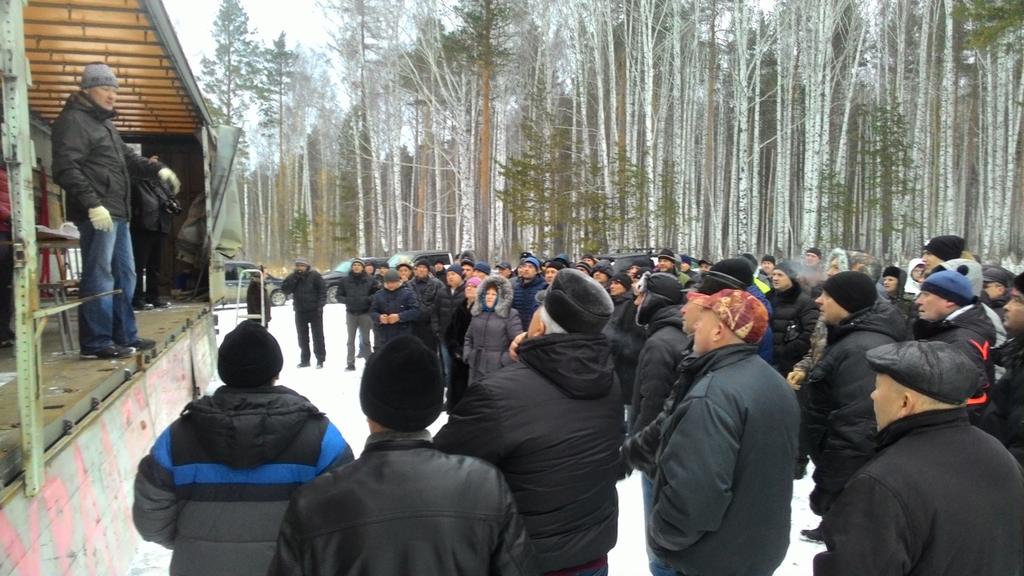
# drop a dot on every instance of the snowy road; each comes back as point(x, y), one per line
point(337, 393)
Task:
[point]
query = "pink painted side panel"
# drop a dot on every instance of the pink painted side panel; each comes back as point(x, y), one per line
point(81, 522)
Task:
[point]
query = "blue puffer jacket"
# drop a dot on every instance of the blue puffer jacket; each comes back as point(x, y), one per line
point(216, 484)
point(524, 299)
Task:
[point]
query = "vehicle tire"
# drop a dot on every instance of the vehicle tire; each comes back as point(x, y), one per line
point(332, 294)
point(278, 298)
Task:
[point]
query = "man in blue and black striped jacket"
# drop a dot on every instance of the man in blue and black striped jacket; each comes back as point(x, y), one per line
point(216, 484)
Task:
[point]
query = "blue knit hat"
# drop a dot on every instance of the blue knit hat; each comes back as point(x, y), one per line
point(482, 267)
point(951, 285)
point(532, 262)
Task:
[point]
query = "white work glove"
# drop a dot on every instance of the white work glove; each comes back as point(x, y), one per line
point(170, 178)
point(100, 218)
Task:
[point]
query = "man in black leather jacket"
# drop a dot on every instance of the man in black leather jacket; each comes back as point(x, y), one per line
point(404, 507)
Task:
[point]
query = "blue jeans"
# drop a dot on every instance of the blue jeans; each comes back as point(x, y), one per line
point(446, 365)
point(658, 568)
point(107, 264)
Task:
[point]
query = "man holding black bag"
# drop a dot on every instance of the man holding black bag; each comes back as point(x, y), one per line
point(153, 207)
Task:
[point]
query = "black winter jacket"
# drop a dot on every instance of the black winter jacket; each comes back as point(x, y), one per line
point(562, 469)
point(427, 291)
point(405, 508)
point(940, 498)
point(308, 291)
point(724, 480)
point(656, 366)
point(91, 162)
point(972, 332)
point(356, 292)
point(149, 201)
point(1002, 417)
point(217, 482)
point(448, 303)
point(402, 302)
point(627, 339)
point(792, 326)
point(840, 417)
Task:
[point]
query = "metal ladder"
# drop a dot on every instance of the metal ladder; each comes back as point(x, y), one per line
point(263, 297)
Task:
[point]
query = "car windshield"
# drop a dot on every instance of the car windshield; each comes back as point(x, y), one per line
point(397, 259)
point(344, 266)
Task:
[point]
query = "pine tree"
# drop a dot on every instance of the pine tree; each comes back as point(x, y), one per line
point(230, 77)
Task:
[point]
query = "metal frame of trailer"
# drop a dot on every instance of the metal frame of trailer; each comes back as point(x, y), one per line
point(67, 508)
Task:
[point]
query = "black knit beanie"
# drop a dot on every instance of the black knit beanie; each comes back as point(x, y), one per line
point(945, 247)
point(402, 388)
point(249, 357)
point(623, 279)
point(893, 271)
point(854, 291)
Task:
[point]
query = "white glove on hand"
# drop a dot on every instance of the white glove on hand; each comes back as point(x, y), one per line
point(170, 178)
point(100, 218)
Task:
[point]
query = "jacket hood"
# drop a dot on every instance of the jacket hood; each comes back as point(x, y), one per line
point(504, 303)
point(854, 260)
point(665, 317)
point(912, 286)
point(580, 365)
point(974, 273)
point(882, 318)
point(81, 101)
point(250, 427)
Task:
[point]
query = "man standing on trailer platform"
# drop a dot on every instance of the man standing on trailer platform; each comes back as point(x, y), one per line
point(95, 167)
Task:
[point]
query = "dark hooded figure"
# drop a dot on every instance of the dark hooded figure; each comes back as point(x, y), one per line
point(216, 484)
point(495, 324)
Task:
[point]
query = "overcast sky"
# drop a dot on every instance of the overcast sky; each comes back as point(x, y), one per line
point(301, 20)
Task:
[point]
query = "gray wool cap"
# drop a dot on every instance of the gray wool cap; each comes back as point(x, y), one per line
point(936, 369)
point(98, 74)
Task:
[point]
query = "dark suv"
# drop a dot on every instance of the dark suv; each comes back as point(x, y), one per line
point(412, 256)
point(333, 278)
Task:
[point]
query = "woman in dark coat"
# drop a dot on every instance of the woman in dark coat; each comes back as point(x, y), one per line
point(495, 324)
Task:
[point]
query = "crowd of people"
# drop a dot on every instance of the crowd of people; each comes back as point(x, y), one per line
point(718, 383)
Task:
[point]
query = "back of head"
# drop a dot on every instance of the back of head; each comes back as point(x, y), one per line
point(249, 357)
point(659, 290)
point(851, 290)
point(578, 303)
point(948, 247)
point(402, 389)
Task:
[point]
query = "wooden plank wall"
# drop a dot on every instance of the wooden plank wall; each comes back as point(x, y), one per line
point(81, 522)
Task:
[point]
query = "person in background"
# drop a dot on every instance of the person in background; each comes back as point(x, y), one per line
point(552, 422)
point(309, 296)
point(356, 292)
point(893, 283)
point(495, 325)
point(456, 339)
point(839, 423)
point(6, 263)
point(997, 284)
point(404, 507)
point(812, 258)
point(152, 211)
point(940, 249)
point(525, 289)
point(449, 300)
point(505, 270)
point(440, 270)
point(404, 270)
point(767, 267)
point(625, 336)
point(1002, 417)
point(393, 309)
point(551, 267)
point(704, 265)
point(481, 270)
point(589, 260)
point(216, 483)
point(95, 168)
point(255, 296)
point(915, 275)
point(468, 267)
point(724, 478)
point(603, 273)
point(584, 267)
point(427, 288)
point(939, 496)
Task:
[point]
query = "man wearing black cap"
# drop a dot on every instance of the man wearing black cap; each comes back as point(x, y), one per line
point(839, 422)
point(552, 422)
point(625, 335)
point(356, 291)
point(404, 507)
point(505, 270)
point(393, 310)
point(940, 249)
point(997, 283)
point(427, 288)
point(1002, 417)
point(941, 497)
point(309, 296)
point(216, 484)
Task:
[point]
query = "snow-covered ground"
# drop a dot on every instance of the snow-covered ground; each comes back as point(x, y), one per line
point(337, 393)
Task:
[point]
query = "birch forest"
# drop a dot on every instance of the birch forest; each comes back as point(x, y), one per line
point(710, 126)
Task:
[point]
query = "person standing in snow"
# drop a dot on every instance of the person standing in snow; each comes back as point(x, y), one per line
point(216, 484)
point(356, 291)
point(552, 422)
point(404, 507)
point(724, 478)
point(495, 325)
point(394, 309)
point(309, 296)
point(940, 496)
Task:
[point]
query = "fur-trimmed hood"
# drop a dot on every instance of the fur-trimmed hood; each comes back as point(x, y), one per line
point(505, 295)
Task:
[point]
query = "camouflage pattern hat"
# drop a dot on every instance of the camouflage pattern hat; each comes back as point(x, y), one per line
point(740, 312)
